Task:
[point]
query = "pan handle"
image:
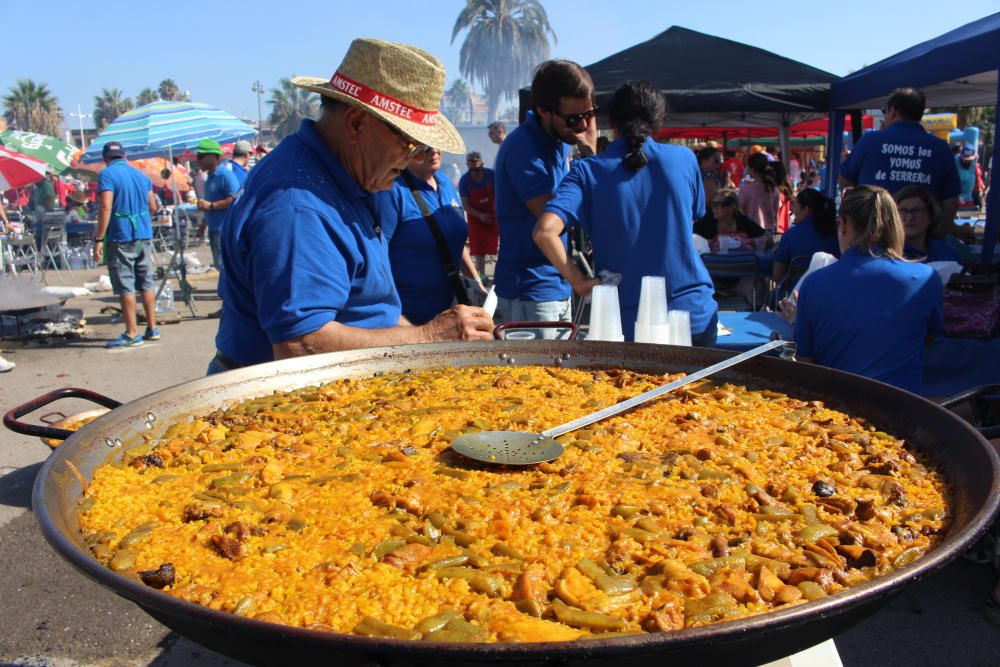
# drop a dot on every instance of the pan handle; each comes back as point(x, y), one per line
point(980, 398)
point(499, 330)
point(10, 420)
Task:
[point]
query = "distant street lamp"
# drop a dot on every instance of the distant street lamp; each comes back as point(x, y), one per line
point(80, 115)
point(260, 90)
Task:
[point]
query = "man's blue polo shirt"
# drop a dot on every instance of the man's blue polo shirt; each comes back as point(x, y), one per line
point(239, 172)
point(870, 316)
point(301, 248)
point(423, 287)
point(220, 184)
point(130, 188)
point(530, 164)
point(639, 223)
point(903, 154)
point(802, 240)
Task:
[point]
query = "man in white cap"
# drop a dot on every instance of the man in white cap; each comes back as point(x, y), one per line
point(307, 266)
point(240, 161)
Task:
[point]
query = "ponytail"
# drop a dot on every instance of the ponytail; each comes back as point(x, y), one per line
point(872, 213)
point(763, 169)
point(823, 209)
point(636, 110)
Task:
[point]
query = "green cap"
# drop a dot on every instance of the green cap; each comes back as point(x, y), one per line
point(208, 147)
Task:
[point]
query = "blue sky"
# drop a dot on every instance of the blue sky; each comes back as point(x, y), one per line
point(217, 49)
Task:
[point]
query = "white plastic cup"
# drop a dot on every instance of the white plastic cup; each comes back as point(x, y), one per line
point(519, 335)
point(680, 327)
point(605, 314)
point(652, 333)
point(653, 301)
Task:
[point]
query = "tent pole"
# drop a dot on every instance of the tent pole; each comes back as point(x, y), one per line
point(834, 146)
point(993, 200)
point(784, 140)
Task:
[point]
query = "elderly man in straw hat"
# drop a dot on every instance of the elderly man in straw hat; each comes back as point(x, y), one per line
point(307, 266)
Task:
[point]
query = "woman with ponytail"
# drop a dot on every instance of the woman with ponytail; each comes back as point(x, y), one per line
point(872, 311)
point(761, 197)
point(636, 201)
point(815, 230)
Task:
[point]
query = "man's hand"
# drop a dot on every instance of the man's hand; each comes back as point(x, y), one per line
point(460, 323)
point(204, 205)
point(98, 252)
point(588, 138)
point(583, 287)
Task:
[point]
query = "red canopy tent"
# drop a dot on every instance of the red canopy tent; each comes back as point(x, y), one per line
point(808, 128)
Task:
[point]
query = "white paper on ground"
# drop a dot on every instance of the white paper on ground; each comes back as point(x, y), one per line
point(65, 292)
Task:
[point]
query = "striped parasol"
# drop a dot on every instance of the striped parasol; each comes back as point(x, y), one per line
point(18, 170)
point(161, 128)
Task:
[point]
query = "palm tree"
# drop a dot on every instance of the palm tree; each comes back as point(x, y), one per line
point(145, 96)
point(456, 100)
point(506, 40)
point(109, 105)
point(31, 107)
point(169, 90)
point(289, 105)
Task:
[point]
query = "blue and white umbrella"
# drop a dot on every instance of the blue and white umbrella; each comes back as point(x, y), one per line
point(164, 128)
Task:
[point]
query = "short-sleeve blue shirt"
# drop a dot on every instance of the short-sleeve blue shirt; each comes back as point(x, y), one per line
point(421, 282)
point(640, 224)
point(529, 164)
point(220, 184)
point(301, 248)
point(870, 316)
point(803, 239)
point(903, 154)
point(239, 172)
point(130, 188)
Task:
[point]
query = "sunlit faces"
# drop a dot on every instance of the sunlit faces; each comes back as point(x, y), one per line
point(426, 163)
point(385, 153)
point(573, 118)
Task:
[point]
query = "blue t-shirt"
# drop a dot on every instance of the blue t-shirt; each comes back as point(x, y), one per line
point(640, 223)
point(238, 171)
point(903, 154)
point(530, 164)
point(220, 184)
point(938, 250)
point(803, 239)
point(870, 316)
point(130, 188)
point(423, 287)
point(301, 248)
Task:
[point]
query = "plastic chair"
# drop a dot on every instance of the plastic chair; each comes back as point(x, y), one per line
point(733, 266)
point(55, 245)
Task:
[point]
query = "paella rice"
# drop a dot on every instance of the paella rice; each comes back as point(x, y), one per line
point(341, 507)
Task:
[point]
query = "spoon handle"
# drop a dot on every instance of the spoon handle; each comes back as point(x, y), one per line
point(586, 420)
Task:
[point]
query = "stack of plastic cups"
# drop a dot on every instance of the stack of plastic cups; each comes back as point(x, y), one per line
point(605, 315)
point(679, 322)
point(652, 326)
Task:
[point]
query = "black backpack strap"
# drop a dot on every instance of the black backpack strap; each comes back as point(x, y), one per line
point(450, 270)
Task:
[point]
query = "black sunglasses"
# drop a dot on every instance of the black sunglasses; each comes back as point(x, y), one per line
point(573, 119)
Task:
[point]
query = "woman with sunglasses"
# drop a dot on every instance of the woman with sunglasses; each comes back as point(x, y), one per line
point(413, 229)
point(636, 200)
point(815, 230)
point(922, 226)
point(870, 312)
point(725, 227)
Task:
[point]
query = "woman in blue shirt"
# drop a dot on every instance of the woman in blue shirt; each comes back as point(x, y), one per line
point(637, 201)
point(417, 265)
point(870, 312)
point(815, 230)
point(922, 226)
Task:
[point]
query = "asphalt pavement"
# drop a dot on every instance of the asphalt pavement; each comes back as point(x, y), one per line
point(52, 615)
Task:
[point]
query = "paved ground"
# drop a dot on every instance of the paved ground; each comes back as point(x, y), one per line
point(50, 615)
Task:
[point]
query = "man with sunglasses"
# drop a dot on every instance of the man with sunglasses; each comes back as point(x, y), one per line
point(477, 190)
point(532, 161)
point(307, 264)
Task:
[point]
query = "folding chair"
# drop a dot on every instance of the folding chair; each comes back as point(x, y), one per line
point(55, 244)
point(797, 268)
point(20, 254)
point(733, 266)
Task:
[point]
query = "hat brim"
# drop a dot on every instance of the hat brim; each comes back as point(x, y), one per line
point(442, 135)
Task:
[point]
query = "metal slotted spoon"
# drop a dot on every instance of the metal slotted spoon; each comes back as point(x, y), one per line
point(520, 449)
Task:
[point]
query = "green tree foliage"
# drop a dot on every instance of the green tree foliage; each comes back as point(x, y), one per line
point(31, 107)
point(289, 105)
point(456, 101)
point(506, 39)
point(169, 90)
point(145, 96)
point(109, 105)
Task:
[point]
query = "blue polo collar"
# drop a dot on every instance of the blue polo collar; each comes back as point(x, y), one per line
point(534, 124)
point(308, 135)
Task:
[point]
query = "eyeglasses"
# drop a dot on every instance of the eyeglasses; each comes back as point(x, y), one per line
point(413, 149)
point(573, 119)
point(913, 212)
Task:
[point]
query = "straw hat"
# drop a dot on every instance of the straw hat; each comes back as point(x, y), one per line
point(400, 84)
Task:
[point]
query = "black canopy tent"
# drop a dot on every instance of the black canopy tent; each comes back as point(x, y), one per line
point(714, 82)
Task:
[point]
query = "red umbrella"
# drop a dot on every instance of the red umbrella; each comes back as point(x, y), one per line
point(18, 170)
